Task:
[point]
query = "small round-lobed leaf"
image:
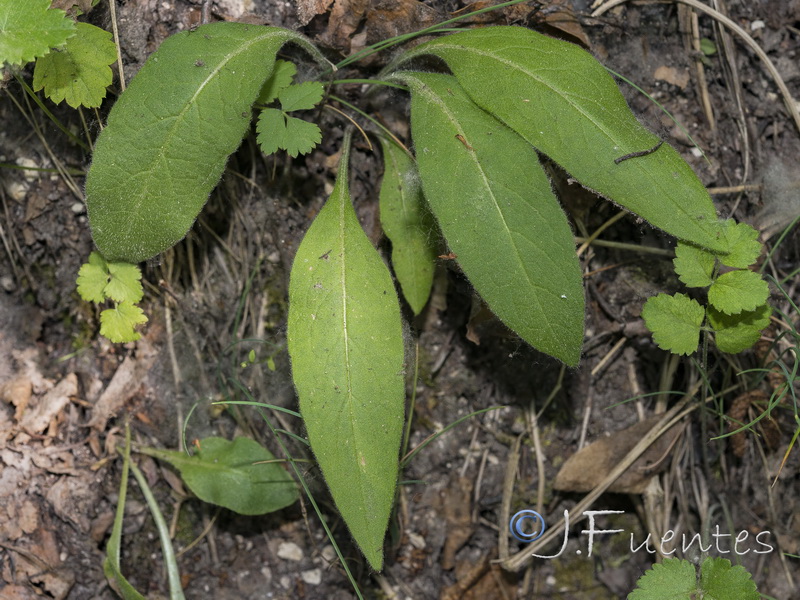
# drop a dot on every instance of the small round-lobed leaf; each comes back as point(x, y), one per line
point(735, 333)
point(738, 291)
point(694, 265)
point(675, 322)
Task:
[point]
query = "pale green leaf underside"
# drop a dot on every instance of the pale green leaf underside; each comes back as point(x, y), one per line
point(118, 323)
point(560, 99)
point(693, 265)
point(408, 224)
point(79, 72)
point(169, 135)
point(346, 344)
point(738, 291)
point(672, 579)
point(234, 474)
point(675, 322)
point(495, 207)
point(735, 333)
point(28, 29)
point(99, 280)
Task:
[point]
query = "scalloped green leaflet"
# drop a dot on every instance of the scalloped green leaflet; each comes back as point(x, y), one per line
point(169, 135)
point(735, 333)
point(560, 99)
point(693, 265)
point(675, 322)
point(79, 73)
point(345, 340)
point(408, 224)
point(738, 291)
point(495, 207)
point(239, 474)
point(29, 28)
point(673, 579)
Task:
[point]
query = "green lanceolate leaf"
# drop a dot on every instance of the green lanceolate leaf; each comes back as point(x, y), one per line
point(408, 224)
point(240, 475)
point(738, 291)
point(79, 72)
point(735, 333)
point(169, 135)
point(495, 207)
point(346, 344)
point(675, 322)
point(560, 99)
point(28, 29)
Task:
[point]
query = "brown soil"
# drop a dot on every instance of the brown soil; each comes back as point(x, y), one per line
point(67, 393)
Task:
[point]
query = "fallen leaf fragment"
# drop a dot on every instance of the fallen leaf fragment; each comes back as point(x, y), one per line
point(308, 9)
point(47, 407)
point(672, 75)
point(588, 467)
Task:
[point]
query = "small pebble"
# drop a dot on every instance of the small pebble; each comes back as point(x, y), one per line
point(312, 577)
point(78, 208)
point(7, 283)
point(290, 551)
point(757, 25)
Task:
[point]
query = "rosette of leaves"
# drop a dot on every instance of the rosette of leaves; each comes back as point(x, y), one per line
point(737, 309)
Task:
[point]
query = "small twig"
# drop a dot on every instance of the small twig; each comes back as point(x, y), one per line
point(112, 5)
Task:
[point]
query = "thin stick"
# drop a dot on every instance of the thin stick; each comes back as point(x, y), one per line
point(112, 5)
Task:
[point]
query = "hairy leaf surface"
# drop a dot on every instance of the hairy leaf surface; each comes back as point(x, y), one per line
point(169, 135)
point(346, 344)
point(236, 474)
point(496, 209)
point(408, 224)
point(560, 99)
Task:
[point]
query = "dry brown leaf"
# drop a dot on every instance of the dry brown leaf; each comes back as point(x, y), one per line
point(17, 392)
point(388, 18)
point(672, 75)
point(308, 9)
point(83, 5)
point(587, 468)
point(47, 407)
point(343, 22)
point(123, 385)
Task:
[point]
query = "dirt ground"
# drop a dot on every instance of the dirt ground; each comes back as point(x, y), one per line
point(67, 393)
